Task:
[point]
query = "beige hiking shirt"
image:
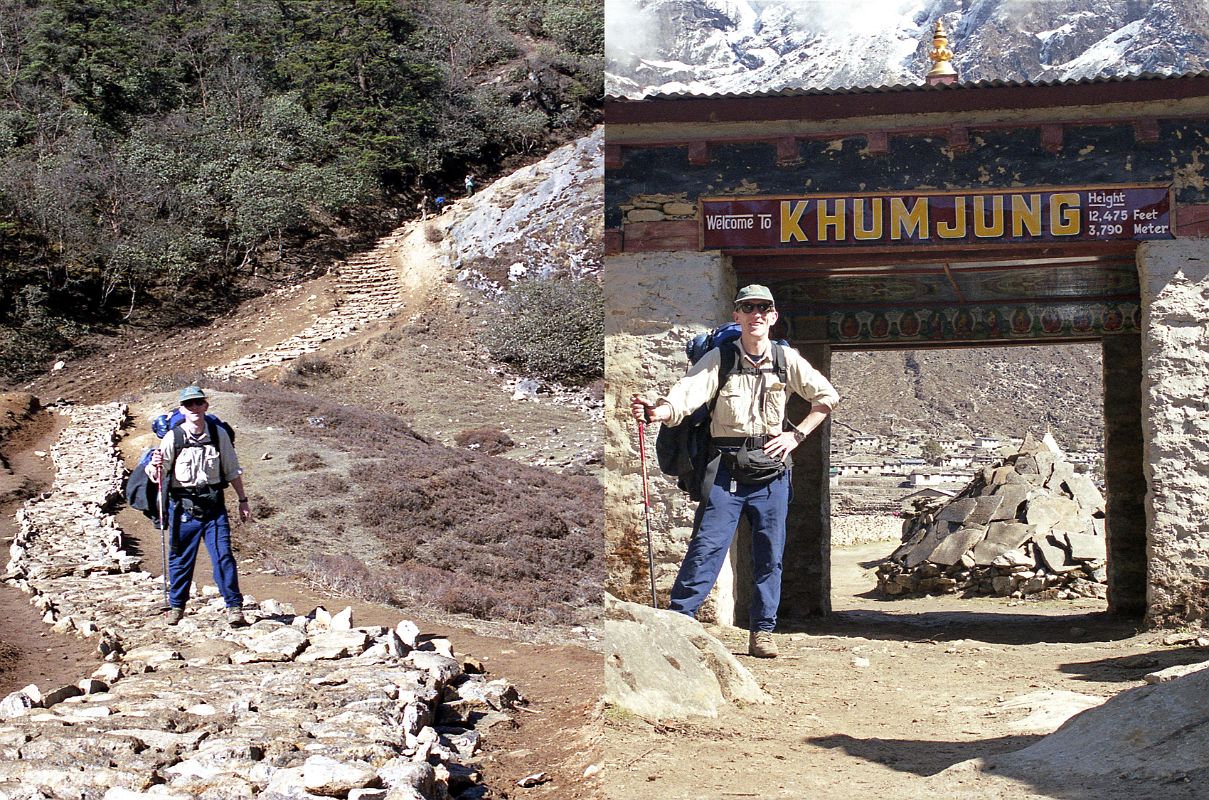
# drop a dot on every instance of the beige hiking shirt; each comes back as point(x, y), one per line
point(751, 404)
point(197, 467)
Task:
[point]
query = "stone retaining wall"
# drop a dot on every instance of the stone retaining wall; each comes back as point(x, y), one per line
point(290, 707)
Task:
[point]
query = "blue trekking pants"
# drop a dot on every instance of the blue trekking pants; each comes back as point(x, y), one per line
point(187, 534)
point(766, 508)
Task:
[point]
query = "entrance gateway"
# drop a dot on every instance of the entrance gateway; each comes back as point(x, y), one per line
point(909, 217)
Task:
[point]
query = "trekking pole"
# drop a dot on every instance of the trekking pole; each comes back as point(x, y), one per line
point(646, 505)
point(162, 496)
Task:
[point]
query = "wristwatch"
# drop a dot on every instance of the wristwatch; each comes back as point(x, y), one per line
point(799, 436)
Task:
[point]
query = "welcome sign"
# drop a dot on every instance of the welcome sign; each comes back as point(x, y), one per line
point(937, 218)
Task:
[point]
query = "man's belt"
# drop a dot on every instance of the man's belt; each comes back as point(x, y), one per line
point(750, 442)
point(194, 492)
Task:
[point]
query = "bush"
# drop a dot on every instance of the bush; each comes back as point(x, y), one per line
point(553, 329)
point(577, 25)
point(487, 439)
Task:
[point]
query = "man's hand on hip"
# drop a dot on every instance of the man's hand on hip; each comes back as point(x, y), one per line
point(781, 445)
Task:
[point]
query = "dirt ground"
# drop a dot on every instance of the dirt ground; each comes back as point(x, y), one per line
point(881, 695)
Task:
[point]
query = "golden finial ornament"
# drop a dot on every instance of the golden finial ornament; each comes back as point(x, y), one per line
point(942, 57)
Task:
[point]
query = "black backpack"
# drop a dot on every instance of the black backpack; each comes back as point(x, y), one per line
point(683, 451)
point(140, 492)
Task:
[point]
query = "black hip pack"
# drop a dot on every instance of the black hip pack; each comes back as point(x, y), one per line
point(753, 466)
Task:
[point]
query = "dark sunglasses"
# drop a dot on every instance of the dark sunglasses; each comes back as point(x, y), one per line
point(192, 403)
point(751, 308)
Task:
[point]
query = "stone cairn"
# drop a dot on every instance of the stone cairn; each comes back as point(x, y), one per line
point(1027, 526)
point(290, 707)
point(370, 290)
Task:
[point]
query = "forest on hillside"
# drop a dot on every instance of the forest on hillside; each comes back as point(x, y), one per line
point(159, 161)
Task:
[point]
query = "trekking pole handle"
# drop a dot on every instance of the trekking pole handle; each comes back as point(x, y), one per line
point(646, 500)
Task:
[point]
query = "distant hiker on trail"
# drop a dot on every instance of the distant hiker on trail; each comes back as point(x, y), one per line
point(200, 461)
point(422, 207)
point(469, 183)
point(748, 470)
point(440, 203)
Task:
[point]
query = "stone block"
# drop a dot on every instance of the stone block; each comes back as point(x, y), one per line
point(957, 544)
point(958, 510)
point(1048, 512)
point(660, 664)
point(1052, 555)
point(645, 215)
point(985, 552)
point(1012, 495)
point(1010, 534)
point(985, 509)
point(1085, 492)
point(680, 209)
point(1086, 547)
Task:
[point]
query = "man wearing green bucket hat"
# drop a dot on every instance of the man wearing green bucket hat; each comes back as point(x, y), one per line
point(748, 380)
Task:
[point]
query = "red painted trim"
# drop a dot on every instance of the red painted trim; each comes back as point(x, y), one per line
point(1051, 138)
point(878, 143)
point(645, 237)
point(787, 150)
point(614, 241)
point(1192, 221)
point(1146, 131)
point(698, 154)
point(918, 100)
point(612, 156)
point(959, 138)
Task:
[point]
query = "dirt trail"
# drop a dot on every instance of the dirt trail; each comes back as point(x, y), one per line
point(874, 699)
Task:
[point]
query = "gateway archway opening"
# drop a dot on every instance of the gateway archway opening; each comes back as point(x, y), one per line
point(932, 429)
point(848, 310)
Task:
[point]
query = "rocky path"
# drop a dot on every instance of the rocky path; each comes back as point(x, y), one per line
point(369, 289)
point(292, 706)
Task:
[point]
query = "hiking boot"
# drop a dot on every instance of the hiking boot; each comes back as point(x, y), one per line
point(235, 617)
point(761, 645)
point(175, 615)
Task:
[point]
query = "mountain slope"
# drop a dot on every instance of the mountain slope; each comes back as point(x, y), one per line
point(725, 46)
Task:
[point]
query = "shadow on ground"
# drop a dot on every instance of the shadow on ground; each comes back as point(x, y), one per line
point(1134, 667)
point(921, 757)
point(982, 626)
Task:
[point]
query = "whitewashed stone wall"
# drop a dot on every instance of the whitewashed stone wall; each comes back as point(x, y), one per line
point(1175, 419)
point(654, 302)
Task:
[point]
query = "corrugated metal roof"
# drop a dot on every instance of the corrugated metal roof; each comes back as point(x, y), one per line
point(983, 84)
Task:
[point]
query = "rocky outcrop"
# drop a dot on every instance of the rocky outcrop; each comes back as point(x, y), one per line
point(292, 706)
point(1029, 525)
point(662, 665)
point(1142, 739)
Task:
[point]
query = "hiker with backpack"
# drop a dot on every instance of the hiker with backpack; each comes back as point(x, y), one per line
point(196, 460)
point(745, 383)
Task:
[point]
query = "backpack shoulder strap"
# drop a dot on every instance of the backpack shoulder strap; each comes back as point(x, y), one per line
point(779, 362)
point(728, 358)
point(212, 429)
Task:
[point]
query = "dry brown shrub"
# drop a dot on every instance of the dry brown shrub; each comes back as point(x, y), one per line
point(464, 531)
point(487, 439)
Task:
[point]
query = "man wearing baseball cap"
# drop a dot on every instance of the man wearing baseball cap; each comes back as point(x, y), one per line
point(200, 461)
point(751, 379)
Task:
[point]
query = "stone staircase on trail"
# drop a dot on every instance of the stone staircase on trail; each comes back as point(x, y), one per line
point(291, 706)
point(369, 289)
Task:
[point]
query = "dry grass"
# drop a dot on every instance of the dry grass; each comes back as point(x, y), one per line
point(411, 521)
